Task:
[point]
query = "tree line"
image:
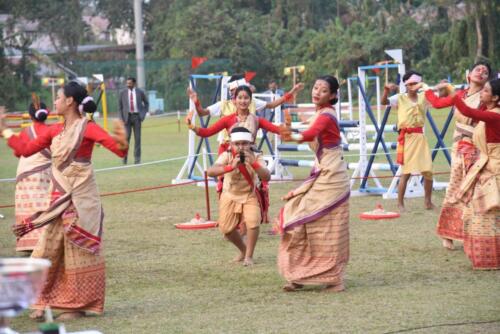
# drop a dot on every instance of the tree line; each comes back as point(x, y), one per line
point(440, 38)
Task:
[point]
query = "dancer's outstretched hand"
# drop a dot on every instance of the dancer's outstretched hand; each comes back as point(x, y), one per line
point(285, 133)
point(192, 94)
point(297, 88)
point(442, 85)
point(189, 119)
point(421, 86)
point(119, 134)
point(288, 118)
point(287, 196)
point(445, 88)
point(391, 87)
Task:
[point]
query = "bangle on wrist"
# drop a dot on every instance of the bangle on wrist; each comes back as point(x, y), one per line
point(7, 133)
point(297, 136)
point(288, 97)
point(255, 165)
point(228, 168)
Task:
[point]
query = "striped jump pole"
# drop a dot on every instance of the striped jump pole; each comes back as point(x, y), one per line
point(371, 128)
point(350, 165)
point(345, 147)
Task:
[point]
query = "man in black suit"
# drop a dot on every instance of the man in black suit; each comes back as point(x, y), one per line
point(132, 108)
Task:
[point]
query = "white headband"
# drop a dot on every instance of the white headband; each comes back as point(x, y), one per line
point(414, 78)
point(85, 100)
point(41, 111)
point(241, 136)
point(237, 83)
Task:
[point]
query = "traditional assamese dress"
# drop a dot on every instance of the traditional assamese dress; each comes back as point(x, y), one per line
point(72, 240)
point(314, 246)
point(450, 224)
point(413, 150)
point(480, 188)
point(239, 202)
point(32, 193)
point(253, 123)
point(226, 108)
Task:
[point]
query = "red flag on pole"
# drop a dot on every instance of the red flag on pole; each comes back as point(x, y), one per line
point(249, 75)
point(197, 61)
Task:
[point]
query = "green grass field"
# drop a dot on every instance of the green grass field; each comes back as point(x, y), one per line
point(164, 280)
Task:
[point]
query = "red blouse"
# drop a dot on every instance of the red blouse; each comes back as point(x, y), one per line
point(490, 118)
point(326, 128)
point(93, 134)
point(227, 122)
point(39, 127)
point(442, 102)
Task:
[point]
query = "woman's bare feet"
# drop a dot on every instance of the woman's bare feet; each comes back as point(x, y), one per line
point(448, 244)
point(38, 315)
point(401, 208)
point(290, 287)
point(335, 288)
point(65, 316)
point(248, 262)
point(429, 206)
point(240, 257)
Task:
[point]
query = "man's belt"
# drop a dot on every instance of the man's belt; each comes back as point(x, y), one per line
point(401, 142)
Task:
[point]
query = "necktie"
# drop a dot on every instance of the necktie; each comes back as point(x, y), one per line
point(132, 101)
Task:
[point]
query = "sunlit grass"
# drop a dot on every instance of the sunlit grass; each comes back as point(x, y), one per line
point(164, 280)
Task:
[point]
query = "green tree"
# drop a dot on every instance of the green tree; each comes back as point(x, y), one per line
point(66, 32)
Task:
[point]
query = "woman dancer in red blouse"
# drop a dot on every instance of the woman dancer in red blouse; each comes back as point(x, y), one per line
point(480, 188)
point(72, 240)
point(32, 177)
point(242, 118)
point(314, 247)
point(450, 223)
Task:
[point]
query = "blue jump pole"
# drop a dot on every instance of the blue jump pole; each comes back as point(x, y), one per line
point(379, 139)
point(203, 123)
point(441, 135)
point(265, 138)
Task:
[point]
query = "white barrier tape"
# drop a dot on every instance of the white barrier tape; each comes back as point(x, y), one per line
point(7, 180)
point(127, 166)
point(167, 114)
point(141, 164)
point(355, 154)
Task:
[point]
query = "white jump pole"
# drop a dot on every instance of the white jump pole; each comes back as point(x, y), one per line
point(379, 107)
point(349, 98)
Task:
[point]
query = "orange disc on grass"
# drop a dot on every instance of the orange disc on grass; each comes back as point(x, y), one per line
point(379, 213)
point(197, 223)
point(200, 226)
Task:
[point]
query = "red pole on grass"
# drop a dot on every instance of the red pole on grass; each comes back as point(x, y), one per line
point(207, 198)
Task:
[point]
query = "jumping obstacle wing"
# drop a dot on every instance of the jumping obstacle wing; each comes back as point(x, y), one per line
point(191, 165)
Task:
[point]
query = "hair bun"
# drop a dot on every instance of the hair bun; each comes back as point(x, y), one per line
point(41, 115)
point(38, 113)
point(88, 105)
